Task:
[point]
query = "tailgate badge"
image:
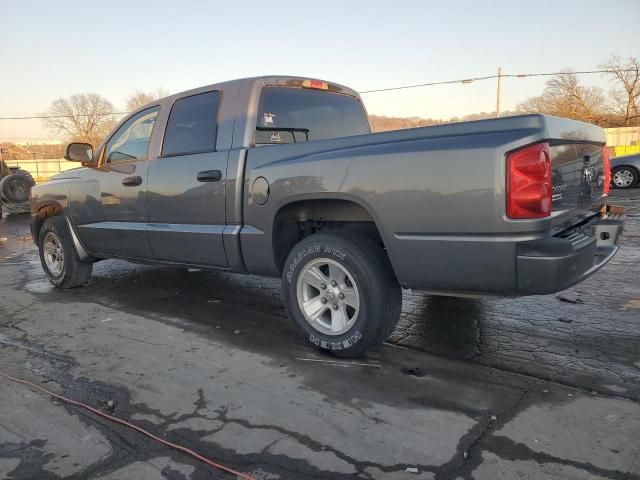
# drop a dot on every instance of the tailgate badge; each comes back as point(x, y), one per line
point(587, 174)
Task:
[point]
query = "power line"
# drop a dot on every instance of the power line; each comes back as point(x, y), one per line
point(489, 77)
point(33, 117)
point(388, 89)
point(431, 84)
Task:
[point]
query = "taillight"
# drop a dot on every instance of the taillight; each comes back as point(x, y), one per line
point(315, 84)
point(606, 170)
point(529, 184)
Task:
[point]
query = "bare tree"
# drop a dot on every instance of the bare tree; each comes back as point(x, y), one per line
point(565, 97)
point(85, 117)
point(625, 96)
point(140, 98)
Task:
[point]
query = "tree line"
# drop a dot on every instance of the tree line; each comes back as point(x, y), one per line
point(89, 117)
point(565, 96)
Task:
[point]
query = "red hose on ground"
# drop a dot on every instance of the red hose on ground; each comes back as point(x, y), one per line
point(180, 448)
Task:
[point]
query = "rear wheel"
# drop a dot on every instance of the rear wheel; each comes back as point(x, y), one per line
point(340, 290)
point(58, 256)
point(624, 177)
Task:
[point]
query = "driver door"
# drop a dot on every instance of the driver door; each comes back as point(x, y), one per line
point(117, 227)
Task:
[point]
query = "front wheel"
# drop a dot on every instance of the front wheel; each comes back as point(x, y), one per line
point(58, 256)
point(624, 177)
point(340, 290)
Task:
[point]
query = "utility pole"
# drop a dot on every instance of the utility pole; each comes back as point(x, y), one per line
point(498, 92)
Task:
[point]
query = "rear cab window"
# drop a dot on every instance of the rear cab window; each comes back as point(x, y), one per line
point(294, 115)
point(192, 126)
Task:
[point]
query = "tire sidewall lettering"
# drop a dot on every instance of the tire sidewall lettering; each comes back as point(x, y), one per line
point(348, 342)
point(310, 250)
point(335, 252)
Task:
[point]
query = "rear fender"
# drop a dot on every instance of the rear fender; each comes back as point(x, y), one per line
point(315, 179)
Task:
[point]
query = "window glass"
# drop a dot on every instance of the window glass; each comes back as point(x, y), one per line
point(131, 141)
point(290, 115)
point(192, 125)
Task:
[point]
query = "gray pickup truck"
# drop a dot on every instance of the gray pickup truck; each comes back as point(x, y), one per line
point(281, 176)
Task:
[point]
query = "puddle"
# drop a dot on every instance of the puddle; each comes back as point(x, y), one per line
point(38, 286)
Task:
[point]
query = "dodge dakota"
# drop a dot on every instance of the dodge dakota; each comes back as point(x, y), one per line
point(281, 176)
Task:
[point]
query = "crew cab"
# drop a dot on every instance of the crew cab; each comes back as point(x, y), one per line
point(281, 176)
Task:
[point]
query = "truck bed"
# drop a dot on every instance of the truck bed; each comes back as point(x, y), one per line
point(435, 193)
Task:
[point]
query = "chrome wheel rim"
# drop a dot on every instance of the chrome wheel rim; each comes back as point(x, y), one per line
point(328, 296)
point(53, 254)
point(623, 178)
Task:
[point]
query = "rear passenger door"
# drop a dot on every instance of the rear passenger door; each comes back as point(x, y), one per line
point(186, 187)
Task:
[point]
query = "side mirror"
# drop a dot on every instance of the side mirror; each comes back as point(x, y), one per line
point(79, 152)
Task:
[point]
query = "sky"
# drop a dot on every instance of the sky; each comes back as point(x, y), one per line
point(52, 49)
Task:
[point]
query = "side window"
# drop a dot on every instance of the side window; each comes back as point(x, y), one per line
point(192, 126)
point(292, 115)
point(131, 141)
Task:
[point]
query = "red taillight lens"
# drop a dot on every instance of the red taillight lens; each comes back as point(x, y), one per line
point(606, 170)
point(315, 84)
point(529, 184)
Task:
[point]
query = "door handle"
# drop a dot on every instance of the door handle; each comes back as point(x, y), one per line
point(132, 181)
point(209, 176)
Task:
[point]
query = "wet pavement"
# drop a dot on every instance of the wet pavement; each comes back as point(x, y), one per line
point(587, 336)
point(538, 387)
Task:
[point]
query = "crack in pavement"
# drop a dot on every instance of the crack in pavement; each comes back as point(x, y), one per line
point(129, 446)
point(467, 458)
point(519, 451)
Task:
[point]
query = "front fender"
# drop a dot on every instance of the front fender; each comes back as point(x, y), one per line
point(48, 199)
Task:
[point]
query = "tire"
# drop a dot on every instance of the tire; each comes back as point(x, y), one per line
point(58, 255)
point(624, 177)
point(369, 308)
point(19, 171)
point(15, 188)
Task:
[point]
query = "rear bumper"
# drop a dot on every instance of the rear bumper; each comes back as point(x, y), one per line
point(556, 263)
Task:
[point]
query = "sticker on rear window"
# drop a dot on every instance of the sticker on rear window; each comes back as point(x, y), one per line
point(275, 137)
point(267, 119)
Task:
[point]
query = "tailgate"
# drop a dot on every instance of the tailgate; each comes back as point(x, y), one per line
point(578, 172)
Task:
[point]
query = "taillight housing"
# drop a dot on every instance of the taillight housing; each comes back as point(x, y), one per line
point(315, 84)
point(529, 183)
point(606, 171)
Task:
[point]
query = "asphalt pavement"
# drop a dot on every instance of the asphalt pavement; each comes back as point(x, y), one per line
point(532, 388)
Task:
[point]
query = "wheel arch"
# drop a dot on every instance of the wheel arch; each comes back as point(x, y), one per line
point(627, 165)
point(43, 212)
point(300, 218)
